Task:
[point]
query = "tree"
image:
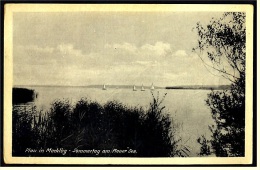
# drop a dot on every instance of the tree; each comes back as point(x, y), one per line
point(223, 41)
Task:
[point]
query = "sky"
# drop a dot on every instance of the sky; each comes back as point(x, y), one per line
point(113, 48)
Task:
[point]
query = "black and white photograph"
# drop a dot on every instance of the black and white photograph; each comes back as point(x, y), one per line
point(166, 82)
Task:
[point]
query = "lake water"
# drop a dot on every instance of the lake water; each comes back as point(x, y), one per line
point(187, 107)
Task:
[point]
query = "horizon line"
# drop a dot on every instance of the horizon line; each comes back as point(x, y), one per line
point(124, 85)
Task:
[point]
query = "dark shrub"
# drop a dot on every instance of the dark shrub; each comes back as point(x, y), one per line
point(22, 130)
point(89, 125)
point(23, 95)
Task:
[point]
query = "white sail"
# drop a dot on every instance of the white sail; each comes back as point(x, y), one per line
point(104, 87)
point(142, 89)
point(134, 89)
point(152, 87)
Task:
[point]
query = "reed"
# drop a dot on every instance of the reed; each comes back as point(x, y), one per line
point(89, 125)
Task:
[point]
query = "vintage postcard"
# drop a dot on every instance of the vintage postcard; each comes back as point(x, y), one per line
point(111, 84)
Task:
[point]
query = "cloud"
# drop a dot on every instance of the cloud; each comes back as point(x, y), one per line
point(32, 55)
point(127, 52)
point(159, 48)
point(117, 63)
point(63, 55)
point(146, 63)
point(68, 49)
point(124, 46)
point(180, 53)
point(36, 48)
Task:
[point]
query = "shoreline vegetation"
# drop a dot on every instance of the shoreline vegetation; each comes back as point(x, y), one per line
point(89, 129)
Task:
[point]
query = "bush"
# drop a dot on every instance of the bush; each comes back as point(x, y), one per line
point(228, 112)
point(89, 125)
point(22, 131)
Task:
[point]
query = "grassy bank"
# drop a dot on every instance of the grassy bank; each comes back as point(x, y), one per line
point(91, 129)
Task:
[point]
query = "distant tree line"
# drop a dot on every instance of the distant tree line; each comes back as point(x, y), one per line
point(22, 95)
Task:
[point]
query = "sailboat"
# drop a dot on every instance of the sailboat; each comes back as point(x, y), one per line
point(152, 87)
point(104, 87)
point(134, 89)
point(142, 89)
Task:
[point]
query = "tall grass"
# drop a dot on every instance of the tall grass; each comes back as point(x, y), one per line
point(89, 125)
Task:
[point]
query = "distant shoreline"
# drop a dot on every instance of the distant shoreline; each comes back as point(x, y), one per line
point(201, 87)
point(184, 87)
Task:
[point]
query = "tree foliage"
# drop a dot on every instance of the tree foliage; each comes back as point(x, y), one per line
point(224, 42)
